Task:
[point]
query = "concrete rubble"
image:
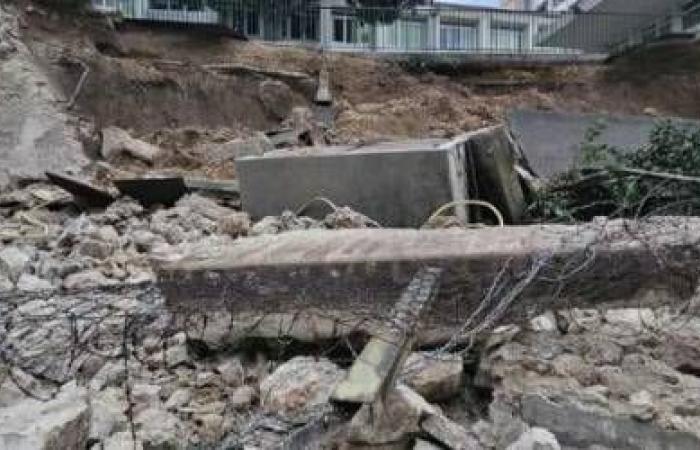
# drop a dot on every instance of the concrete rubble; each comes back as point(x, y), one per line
point(241, 289)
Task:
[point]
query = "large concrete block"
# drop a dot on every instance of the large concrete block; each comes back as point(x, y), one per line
point(365, 271)
point(398, 185)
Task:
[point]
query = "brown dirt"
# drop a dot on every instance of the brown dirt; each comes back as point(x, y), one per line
point(155, 83)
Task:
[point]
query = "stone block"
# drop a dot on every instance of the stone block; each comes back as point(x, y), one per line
point(398, 185)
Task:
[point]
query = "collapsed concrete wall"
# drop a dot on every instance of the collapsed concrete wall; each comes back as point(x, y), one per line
point(364, 271)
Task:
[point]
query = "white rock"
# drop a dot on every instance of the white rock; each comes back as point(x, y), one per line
point(6, 284)
point(425, 445)
point(122, 441)
point(159, 429)
point(242, 397)
point(299, 385)
point(179, 398)
point(32, 283)
point(108, 408)
point(59, 424)
point(13, 261)
point(536, 439)
point(111, 374)
point(546, 322)
point(87, 279)
point(232, 372)
point(145, 396)
point(177, 355)
point(636, 319)
point(117, 142)
point(435, 377)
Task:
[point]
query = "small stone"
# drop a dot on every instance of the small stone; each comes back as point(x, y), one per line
point(6, 284)
point(181, 397)
point(232, 372)
point(95, 249)
point(435, 377)
point(207, 379)
point(390, 421)
point(107, 416)
point(145, 395)
point(177, 355)
point(87, 279)
point(633, 318)
point(111, 374)
point(242, 397)
point(160, 430)
point(13, 261)
point(60, 423)
point(536, 439)
point(235, 224)
point(299, 385)
point(210, 426)
point(117, 142)
point(32, 283)
point(425, 445)
point(122, 441)
point(449, 433)
point(108, 233)
point(546, 323)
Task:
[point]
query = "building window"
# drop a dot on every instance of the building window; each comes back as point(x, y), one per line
point(349, 30)
point(339, 30)
point(691, 14)
point(252, 26)
point(505, 37)
point(158, 4)
point(458, 36)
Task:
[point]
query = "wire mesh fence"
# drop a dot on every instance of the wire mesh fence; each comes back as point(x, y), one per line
point(422, 29)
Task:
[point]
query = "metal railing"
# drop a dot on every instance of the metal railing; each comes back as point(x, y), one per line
point(434, 29)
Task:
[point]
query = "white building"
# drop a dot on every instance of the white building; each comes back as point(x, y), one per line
point(332, 24)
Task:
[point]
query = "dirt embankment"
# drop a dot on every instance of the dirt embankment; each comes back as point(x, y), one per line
point(147, 79)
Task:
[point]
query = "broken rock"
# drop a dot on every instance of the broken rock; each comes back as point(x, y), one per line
point(117, 142)
point(13, 261)
point(391, 420)
point(32, 283)
point(299, 385)
point(435, 377)
point(536, 439)
point(59, 424)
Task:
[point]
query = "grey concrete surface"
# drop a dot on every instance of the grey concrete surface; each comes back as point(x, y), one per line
point(364, 271)
point(398, 185)
point(552, 141)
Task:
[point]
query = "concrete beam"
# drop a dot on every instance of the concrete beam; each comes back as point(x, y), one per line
point(363, 272)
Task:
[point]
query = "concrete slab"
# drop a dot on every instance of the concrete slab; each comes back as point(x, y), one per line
point(364, 271)
point(552, 141)
point(398, 184)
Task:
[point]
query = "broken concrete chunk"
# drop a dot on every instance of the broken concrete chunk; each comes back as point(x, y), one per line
point(449, 433)
point(277, 98)
point(435, 377)
point(256, 145)
point(86, 279)
point(117, 142)
point(299, 385)
point(159, 429)
point(13, 260)
point(494, 158)
point(32, 283)
point(390, 420)
point(536, 439)
point(59, 424)
point(85, 193)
